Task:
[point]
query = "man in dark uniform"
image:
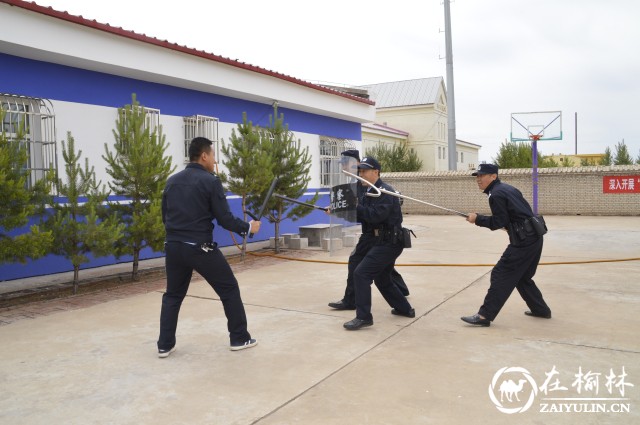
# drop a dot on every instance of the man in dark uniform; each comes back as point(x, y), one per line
point(348, 302)
point(519, 262)
point(381, 220)
point(193, 198)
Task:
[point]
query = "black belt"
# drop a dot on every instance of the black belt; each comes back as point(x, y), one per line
point(375, 232)
point(388, 233)
point(206, 247)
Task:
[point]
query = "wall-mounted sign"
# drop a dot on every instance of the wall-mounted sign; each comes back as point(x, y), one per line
point(621, 184)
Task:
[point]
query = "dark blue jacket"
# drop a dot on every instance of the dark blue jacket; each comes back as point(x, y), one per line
point(382, 212)
point(192, 199)
point(508, 206)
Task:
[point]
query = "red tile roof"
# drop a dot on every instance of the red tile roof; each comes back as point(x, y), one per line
point(49, 11)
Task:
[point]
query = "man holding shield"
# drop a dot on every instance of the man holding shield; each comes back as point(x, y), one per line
point(373, 261)
point(350, 161)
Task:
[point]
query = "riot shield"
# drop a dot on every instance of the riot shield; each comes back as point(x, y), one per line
point(344, 199)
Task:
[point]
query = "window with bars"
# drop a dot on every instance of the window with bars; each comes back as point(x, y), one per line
point(36, 119)
point(153, 120)
point(330, 150)
point(152, 123)
point(200, 126)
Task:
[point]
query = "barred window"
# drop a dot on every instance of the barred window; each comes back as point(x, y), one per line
point(152, 123)
point(330, 149)
point(37, 120)
point(200, 126)
point(153, 120)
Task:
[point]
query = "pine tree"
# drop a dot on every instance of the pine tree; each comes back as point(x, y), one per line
point(606, 158)
point(248, 163)
point(139, 171)
point(587, 162)
point(291, 164)
point(622, 156)
point(80, 228)
point(18, 202)
point(397, 158)
point(638, 158)
point(520, 155)
point(255, 156)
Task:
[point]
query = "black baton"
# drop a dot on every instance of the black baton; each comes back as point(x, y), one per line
point(295, 201)
point(258, 216)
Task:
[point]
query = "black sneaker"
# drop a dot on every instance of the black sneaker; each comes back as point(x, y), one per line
point(410, 314)
point(247, 344)
point(165, 353)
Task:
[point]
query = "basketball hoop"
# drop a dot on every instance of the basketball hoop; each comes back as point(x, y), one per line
point(535, 126)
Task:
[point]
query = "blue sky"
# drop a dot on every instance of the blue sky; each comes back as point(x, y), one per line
point(508, 55)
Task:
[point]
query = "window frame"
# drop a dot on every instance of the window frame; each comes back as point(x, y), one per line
point(330, 149)
point(39, 133)
point(200, 126)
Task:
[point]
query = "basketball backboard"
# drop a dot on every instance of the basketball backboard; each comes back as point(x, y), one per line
point(526, 126)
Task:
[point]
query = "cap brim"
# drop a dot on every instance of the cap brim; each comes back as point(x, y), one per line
point(365, 166)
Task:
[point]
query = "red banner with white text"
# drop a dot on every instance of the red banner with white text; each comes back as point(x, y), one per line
point(621, 184)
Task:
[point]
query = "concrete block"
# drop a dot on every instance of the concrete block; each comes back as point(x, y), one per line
point(288, 236)
point(349, 240)
point(316, 232)
point(331, 243)
point(299, 243)
point(272, 242)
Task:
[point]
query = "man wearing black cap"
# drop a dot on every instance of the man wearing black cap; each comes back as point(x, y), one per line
point(518, 264)
point(381, 219)
point(350, 161)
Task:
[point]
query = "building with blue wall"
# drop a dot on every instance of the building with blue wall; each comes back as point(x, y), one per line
point(69, 74)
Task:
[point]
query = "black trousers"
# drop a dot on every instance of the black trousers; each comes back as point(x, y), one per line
point(363, 246)
point(515, 269)
point(376, 266)
point(180, 262)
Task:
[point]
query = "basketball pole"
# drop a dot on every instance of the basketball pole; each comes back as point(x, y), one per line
point(534, 171)
point(537, 134)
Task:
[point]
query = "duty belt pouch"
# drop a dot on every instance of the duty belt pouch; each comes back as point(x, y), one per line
point(538, 224)
point(517, 232)
point(406, 237)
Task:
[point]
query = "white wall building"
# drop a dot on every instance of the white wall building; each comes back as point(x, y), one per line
point(419, 107)
point(70, 74)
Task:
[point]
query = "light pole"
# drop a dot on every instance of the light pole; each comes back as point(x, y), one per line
point(451, 107)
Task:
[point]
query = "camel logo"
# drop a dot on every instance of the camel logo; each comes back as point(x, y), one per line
point(516, 389)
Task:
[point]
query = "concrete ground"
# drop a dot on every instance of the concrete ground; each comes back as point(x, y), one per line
point(96, 363)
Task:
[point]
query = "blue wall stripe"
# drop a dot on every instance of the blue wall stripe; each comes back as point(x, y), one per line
point(39, 79)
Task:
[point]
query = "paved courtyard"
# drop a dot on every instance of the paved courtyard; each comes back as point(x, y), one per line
point(91, 359)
